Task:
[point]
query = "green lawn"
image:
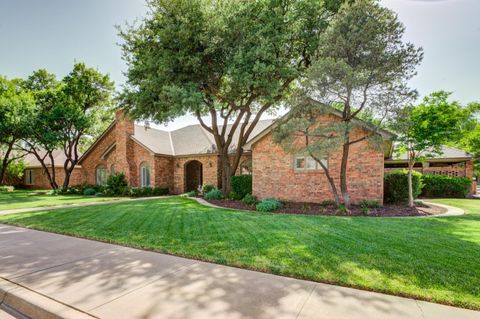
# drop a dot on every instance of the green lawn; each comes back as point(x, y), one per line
point(29, 198)
point(435, 259)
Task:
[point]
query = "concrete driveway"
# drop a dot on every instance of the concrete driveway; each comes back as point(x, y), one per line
point(110, 281)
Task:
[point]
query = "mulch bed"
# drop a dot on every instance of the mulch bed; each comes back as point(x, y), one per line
point(318, 209)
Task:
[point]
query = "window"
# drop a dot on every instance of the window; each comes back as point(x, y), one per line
point(144, 175)
point(246, 167)
point(101, 175)
point(29, 177)
point(307, 163)
point(112, 170)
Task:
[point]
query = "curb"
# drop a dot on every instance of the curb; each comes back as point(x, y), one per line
point(35, 305)
point(451, 210)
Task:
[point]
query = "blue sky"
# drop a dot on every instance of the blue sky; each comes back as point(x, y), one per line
point(52, 34)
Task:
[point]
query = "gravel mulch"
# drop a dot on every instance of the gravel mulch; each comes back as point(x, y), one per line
point(317, 209)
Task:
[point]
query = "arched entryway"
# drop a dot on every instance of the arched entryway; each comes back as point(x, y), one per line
point(193, 175)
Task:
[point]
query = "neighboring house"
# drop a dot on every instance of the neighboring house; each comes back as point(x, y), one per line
point(451, 161)
point(185, 159)
point(35, 176)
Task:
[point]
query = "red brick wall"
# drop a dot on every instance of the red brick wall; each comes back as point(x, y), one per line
point(274, 174)
point(40, 179)
point(163, 172)
point(93, 158)
point(209, 166)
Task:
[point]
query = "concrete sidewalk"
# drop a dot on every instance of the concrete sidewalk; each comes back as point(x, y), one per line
point(110, 281)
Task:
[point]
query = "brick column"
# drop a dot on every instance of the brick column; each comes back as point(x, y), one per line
point(124, 128)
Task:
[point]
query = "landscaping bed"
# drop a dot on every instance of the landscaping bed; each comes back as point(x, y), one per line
point(388, 210)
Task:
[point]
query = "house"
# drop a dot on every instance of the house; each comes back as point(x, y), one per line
point(35, 176)
point(184, 159)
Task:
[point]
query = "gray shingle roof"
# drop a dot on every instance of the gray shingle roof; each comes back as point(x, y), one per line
point(189, 140)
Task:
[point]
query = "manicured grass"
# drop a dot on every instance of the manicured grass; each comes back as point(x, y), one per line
point(434, 259)
point(29, 198)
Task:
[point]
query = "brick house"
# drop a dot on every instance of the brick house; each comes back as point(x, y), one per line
point(35, 177)
point(184, 159)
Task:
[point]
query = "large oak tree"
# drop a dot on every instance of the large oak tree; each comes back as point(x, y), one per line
point(230, 60)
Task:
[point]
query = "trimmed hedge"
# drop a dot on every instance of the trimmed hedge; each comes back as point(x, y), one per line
point(445, 186)
point(241, 185)
point(396, 186)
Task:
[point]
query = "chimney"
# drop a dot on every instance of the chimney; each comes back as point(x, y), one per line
point(124, 128)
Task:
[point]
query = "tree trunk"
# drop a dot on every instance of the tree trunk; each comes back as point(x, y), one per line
point(343, 169)
point(5, 163)
point(226, 173)
point(410, 183)
point(333, 187)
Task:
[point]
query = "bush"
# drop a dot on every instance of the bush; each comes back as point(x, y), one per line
point(190, 194)
point(241, 185)
point(249, 200)
point(368, 203)
point(342, 209)
point(233, 196)
point(116, 184)
point(396, 186)
point(445, 186)
point(89, 192)
point(206, 188)
point(327, 203)
point(99, 194)
point(268, 205)
point(160, 191)
point(7, 188)
point(214, 194)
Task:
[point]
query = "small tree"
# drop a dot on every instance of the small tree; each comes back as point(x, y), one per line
point(82, 107)
point(362, 71)
point(16, 108)
point(301, 133)
point(424, 128)
point(67, 113)
point(230, 60)
point(42, 137)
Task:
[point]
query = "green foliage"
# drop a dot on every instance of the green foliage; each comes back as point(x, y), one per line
point(116, 184)
point(160, 191)
point(342, 209)
point(190, 194)
point(68, 113)
point(233, 196)
point(442, 186)
point(268, 205)
point(89, 192)
point(249, 200)
point(241, 185)
point(16, 109)
point(396, 186)
point(214, 194)
point(369, 203)
point(362, 69)
point(235, 60)
point(206, 188)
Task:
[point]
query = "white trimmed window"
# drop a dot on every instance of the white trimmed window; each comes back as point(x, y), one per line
point(101, 175)
point(144, 175)
point(307, 163)
point(112, 170)
point(29, 177)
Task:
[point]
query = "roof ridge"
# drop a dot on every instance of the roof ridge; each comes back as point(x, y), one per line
point(171, 143)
